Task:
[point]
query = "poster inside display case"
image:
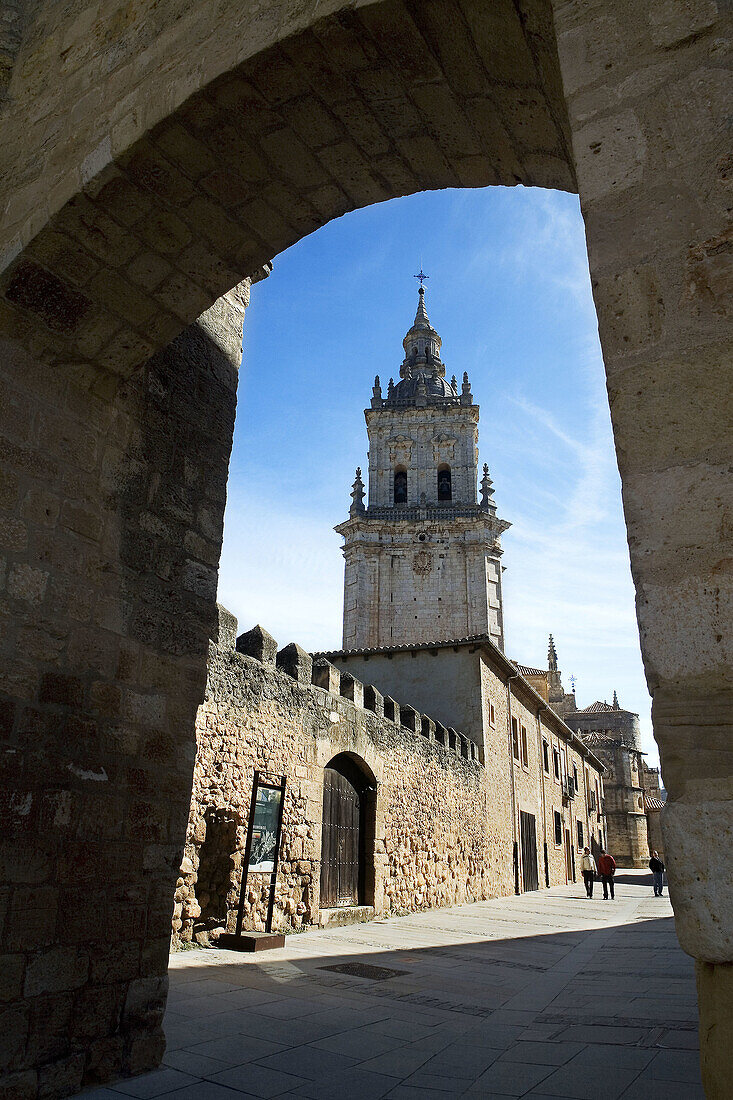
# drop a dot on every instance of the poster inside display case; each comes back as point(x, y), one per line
point(268, 808)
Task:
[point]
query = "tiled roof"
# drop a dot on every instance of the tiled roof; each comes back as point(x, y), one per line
point(472, 640)
point(437, 643)
point(596, 708)
point(525, 670)
point(652, 803)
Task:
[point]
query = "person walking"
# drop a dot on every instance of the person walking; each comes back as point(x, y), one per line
point(588, 868)
point(606, 869)
point(657, 869)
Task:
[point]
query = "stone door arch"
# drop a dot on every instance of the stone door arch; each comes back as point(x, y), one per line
point(347, 838)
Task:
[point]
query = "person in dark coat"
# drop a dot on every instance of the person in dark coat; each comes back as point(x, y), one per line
point(606, 869)
point(657, 869)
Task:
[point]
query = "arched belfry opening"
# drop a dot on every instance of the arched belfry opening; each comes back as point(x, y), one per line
point(445, 484)
point(347, 844)
point(400, 485)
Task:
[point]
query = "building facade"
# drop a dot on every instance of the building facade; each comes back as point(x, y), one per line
point(423, 556)
point(545, 787)
point(633, 797)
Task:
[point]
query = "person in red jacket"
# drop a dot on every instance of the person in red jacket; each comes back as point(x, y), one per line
point(606, 869)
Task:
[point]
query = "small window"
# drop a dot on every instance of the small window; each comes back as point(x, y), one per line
point(400, 487)
point(575, 778)
point(492, 715)
point(525, 753)
point(556, 762)
point(558, 829)
point(580, 835)
point(546, 757)
point(515, 739)
point(445, 488)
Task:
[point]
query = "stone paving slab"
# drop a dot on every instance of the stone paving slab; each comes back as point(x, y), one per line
point(547, 995)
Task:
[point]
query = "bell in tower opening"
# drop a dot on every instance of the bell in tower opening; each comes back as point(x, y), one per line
point(423, 559)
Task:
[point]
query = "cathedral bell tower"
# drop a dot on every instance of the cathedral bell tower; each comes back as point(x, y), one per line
point(423, 556)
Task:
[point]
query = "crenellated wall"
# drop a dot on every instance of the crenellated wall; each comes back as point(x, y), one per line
point(428, 837)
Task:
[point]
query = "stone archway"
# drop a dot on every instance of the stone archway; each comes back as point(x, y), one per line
point(348, 832)
point(114, 462)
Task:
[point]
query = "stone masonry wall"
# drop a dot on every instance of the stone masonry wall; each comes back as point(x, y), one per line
point(111, 508)
point(429, 838)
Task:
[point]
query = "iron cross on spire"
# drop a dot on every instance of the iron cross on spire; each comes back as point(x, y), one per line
point(422, 276)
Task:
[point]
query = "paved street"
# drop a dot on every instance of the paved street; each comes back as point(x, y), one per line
point(544, 995)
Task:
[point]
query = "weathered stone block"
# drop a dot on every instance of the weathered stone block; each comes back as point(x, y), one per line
point(294, 660)
point(409, 718)
point(259, 644)
point(352, 688)
point(391, 709)
point(118, 963)
point(611, 154)
point(14, 1024)
point(227, 628)
point(373, 700)
point(60, 690)
point(61, 1078)
point(12, 968)
point(104, 1059)
point(55, 971)
point(49, 1024)
point(27, 584)
point(95, 1011)
point(326, 676)
point(32, 917)
point(145, 1002)
point(672, 22)
point(20, 1086)
point(145, 1051)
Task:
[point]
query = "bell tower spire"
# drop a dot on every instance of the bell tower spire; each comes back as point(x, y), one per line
point(423, 556)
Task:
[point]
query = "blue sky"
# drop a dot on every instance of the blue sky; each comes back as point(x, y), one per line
point(509, 293)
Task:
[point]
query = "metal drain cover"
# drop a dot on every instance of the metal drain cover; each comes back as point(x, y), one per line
point(364, 970)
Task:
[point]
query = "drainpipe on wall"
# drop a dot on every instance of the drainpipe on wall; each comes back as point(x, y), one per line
point(511, 772)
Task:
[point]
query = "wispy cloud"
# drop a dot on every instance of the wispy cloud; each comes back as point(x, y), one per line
point(541, 240)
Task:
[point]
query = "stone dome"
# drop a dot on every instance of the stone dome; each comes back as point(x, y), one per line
point(422, 373)
point(422, 384)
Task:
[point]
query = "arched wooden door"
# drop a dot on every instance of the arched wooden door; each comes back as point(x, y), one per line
point(342, 849)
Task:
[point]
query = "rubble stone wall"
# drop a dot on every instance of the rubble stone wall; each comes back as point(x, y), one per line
point(428, 842)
